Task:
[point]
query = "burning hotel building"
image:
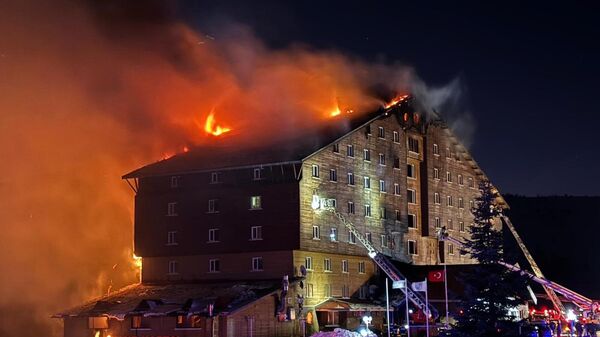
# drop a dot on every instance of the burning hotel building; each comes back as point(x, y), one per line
point(231, 244)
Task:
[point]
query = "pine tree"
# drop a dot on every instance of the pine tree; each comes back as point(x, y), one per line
point(490, 289)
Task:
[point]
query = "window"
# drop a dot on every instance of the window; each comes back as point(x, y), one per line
point(333, 234)
point(362, 292)
point(436, 198)
point(412, 221)
point(345, 291)
point(215, 177)
point(367, 182)
point(412, 247)
point(361, 267)
point(383, 213)
point(367, 155)
point(410, 171)
point(136, 322)
point(461, 226)
point(351, 178)
point(308, 263)
point(256, 233)
point(316, 233)
point(471, 205)
point(471, 183)
point(436, 174)
point(315, 171)
point(382, 187)
point(368, 129)
point(171, 209)
point(396, 137)
point(214, 266)
point(175, 181)
point(255, 202)
point(412, 196)
point(384, 241)
point(448, 154)
point(396, 189)
point(460, 179)
point(309, 290)
point(344, 266)
point(350, 150)
point(461, 203)
point(368, 237)
point(350, 207)
point(398, 215)
point(413, 145)
point(449, 201)
point(450, 249)
point(382, 159)
point(438, 222)
point(396, 163)
point(448, 176)
point(336, 148)
point(436, 150)
point(327, 290)
point(171, 238)
point(327, 265)
point(258, 173)
point(333, 175)
point(351, 237)
point(381, 132)
point(213, 206)
point(449, 224)
point(257, 264)
point(173, 267)
point(367, 210)
point(213, 235)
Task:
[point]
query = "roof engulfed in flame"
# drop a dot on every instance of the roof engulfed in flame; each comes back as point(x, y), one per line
point(211, 127)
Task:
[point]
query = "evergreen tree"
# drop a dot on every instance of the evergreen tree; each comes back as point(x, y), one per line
point(490, 289)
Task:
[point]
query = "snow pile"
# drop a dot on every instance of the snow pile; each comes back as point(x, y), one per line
point(340, 333)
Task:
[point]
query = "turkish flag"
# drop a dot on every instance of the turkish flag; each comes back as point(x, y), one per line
point(436, 276)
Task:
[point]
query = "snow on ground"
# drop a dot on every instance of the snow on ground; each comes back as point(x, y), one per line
point(339, 333)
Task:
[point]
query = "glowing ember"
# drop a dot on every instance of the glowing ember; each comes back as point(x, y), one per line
point(395, 101)
point(335, 112)
point(186, 149)
point(137, 261)
point(211, 128)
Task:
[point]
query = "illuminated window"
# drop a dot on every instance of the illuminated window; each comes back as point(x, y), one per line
point(215, 177)
point(350, 207)
point(171, 209)
point(367, 155)
point(350, 150)
point(336, 148)
point(255, 233)
point(214, 266)
point(382, 187)
point(410, 171)
point(436, 198)
point(367, 182)
point(396, 137)
point(367, 210)
point(175, 181)
point(213, 235)
point(436, 174)
point(381, 159)
point(412, 196)
point(351, 238)
point(257, 264)
point(412, 221)
point(136, 322)
point(258, 173)
point(361, 267)
point(436, 150)
point(308, 263)
point(173, 267)
point(333, 175)
point(327, 265)
point(333, 234)
point(316, 233)
point(255, 202)
point(351, 178)
point(344, 266)
point(171, 238)
point(315, 171)
point(412, 247)
point(438, 222)
point(381, 132)
point(450, 249)
point(413, 145)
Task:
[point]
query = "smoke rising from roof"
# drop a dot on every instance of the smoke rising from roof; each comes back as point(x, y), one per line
point(89, 92)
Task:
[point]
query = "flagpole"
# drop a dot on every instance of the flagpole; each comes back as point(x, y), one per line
point(406, 300)
point(426, 307)
point(446, 294)
point(387, 305)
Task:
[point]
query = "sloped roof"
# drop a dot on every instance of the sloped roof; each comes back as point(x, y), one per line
point(164, 299)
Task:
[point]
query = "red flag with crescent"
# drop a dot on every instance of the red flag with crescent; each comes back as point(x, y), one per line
point(436, 276)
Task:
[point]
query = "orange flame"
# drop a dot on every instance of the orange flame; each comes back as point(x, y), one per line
point(395, 101)
point(211, 128)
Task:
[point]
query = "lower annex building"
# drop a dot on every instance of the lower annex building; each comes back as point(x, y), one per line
point(218, 231)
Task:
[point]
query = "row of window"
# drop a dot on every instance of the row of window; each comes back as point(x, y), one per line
point(327, 291)
point(214, 265)
point(449, 178)
point(449, 153)
point(449, 224)
point(213, 205)
point(308, 264)
point(437, 199)
point(216, 177)
point(386, 240)
point(214, 235)
point(383, 211)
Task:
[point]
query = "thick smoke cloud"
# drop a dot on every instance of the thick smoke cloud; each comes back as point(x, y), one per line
point(90, 92)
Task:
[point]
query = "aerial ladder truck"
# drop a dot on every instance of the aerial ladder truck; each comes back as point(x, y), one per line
point(381, 260)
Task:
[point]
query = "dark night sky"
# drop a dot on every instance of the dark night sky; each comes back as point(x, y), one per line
point(531, 71)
